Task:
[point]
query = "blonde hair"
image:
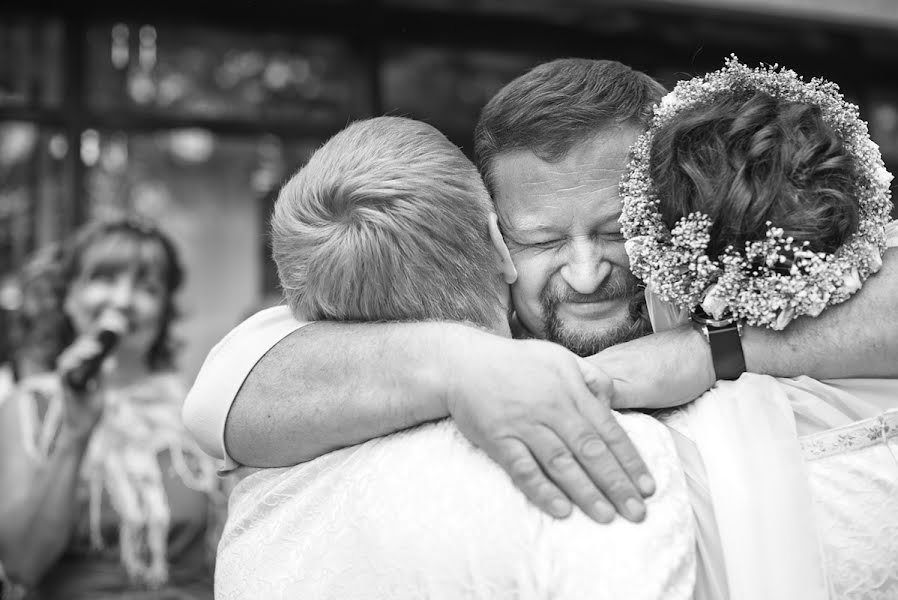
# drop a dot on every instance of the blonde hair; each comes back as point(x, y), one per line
point(387, 221)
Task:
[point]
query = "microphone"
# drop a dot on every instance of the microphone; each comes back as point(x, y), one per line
point(108, 337)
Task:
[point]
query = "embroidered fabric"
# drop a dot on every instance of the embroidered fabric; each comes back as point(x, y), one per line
point(423, 514)
point(859, 529)
point(856, 436)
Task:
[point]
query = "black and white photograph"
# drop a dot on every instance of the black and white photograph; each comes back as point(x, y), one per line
point(449, 300)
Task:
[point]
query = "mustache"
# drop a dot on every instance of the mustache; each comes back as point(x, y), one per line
point(626, 286)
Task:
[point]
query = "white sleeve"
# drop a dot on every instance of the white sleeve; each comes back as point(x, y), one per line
point(223, 372)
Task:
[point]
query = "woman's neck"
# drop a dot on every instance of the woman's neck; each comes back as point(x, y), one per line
point(129, 366)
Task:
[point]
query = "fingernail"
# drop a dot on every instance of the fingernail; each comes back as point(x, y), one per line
point(559, 508)
point(646, 485)
point(604, 512)
point(635, 509)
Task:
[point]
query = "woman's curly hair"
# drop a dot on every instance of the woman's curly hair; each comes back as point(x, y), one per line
point(751, 158)
point(41, 330)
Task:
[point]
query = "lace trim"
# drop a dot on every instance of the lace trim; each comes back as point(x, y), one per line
point(876, 430)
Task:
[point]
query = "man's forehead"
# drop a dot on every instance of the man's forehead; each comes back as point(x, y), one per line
point(583, 185)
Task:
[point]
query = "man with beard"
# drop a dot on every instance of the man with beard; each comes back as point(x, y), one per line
point(551, 147)
point(389, 221)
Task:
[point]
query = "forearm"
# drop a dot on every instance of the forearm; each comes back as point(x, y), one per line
point(39, 508)
point(664, 369)
point(331, 385)
point(858, 338)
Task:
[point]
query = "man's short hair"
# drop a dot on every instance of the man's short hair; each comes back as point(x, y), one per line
point(387, 221)
point(559, 104)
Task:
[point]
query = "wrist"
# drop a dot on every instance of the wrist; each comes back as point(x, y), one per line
point(703, 361)
point(447, 372)
point(464, 351)
point(724, 339)
point(650, 372)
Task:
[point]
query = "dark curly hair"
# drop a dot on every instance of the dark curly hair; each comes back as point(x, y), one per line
point(750, 158)
point(41, 328)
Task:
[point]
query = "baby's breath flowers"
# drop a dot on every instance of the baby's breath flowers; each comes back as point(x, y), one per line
point(770, 281)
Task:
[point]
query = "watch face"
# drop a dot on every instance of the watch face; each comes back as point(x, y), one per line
point(698, 315)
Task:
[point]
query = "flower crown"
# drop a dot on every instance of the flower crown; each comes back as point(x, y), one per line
point(769, 281)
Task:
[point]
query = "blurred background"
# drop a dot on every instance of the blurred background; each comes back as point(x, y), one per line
point(195, 113)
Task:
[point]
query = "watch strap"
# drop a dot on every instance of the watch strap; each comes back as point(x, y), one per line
point(726, 350)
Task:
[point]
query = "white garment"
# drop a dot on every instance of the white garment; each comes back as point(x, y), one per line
point(810, 517)
point(803, 478)
point(223, 372)
point(423, 514)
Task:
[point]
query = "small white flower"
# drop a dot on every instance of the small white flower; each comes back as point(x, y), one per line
point(783, 318)
point(882, 176)
point(713, 303)
point(634, 244)
point(852, 281)
point(816, 308)
point(875, 258)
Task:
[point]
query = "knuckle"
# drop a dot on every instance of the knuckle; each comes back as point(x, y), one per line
point(525, 471)
point(545, 493)
point(591, 446)
point(617, 490)
point(560, 459)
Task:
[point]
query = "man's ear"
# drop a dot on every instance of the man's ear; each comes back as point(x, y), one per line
point(506, 266)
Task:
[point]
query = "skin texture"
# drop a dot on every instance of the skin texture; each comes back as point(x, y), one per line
point(560, 223)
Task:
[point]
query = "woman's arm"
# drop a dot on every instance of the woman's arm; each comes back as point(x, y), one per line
point(38, 510)
point(40, 462)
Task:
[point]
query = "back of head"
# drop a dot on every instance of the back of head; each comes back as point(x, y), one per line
point(748, 159)
point(387, 221)
point(559, 104)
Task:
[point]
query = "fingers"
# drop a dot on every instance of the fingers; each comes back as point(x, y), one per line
point(514, 456)
point(603, 421)
point(565, 471)
point(603, 471)
point(619, 445)
point(82, 349)
point(598, 382)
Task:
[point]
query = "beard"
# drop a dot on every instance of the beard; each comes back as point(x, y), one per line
point(635, 325)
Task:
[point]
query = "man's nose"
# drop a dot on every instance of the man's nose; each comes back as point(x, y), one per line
point(585, 267)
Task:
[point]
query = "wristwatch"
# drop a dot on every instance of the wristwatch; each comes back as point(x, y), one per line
point(725, 338)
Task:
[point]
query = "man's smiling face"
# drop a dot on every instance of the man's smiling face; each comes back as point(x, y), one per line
point(560, 221)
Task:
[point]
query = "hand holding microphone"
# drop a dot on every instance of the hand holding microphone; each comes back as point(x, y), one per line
point(80, 364)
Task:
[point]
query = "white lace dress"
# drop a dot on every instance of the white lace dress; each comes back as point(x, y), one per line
point(803, 478)
point(423, 514)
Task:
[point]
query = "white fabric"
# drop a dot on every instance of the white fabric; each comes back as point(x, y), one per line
point(226, 367)
point(800, 516)
point(746, 435)
point(423, 514)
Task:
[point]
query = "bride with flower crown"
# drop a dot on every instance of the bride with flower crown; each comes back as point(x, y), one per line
point(758, 198)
